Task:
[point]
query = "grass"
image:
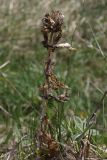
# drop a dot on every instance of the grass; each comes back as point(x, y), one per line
point(83, 71)
point(19, 83)
point(19, 89)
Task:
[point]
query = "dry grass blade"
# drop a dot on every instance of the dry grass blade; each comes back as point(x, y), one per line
point(5, 64)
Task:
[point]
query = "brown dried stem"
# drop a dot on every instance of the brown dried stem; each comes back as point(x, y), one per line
point(52, 31)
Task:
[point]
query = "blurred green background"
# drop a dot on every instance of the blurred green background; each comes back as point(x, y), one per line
point(84, 71)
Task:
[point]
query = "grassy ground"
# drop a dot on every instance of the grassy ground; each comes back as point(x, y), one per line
point(83, 71)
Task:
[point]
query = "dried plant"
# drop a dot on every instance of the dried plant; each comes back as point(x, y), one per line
point(52, 88)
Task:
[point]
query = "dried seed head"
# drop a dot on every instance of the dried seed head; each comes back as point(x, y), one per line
point(52, 22)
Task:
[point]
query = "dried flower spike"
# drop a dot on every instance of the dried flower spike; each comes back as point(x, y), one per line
point(52, 28)
point(52, 32)
point(52, 22)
